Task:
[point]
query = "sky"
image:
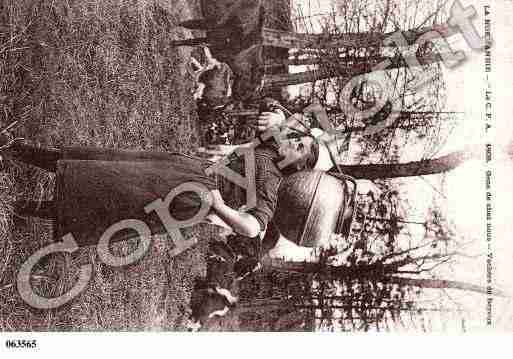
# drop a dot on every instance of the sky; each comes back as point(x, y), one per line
point(464, 194)
point(466, 185)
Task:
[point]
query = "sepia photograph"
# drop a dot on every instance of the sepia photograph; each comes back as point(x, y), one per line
point(255, 166)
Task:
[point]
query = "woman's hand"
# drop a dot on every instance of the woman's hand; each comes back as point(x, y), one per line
point(266, 120)
point(242, 223)
point(217, 199)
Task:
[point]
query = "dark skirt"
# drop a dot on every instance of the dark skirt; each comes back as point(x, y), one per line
point(98, 188)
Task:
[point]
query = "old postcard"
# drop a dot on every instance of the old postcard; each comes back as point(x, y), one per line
point(255, 165)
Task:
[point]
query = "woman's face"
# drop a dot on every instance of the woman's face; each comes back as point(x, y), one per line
point(295, 148)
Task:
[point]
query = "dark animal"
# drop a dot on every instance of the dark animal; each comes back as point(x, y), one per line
point(214, 81)
point(212, 296)
point(235, 39)
point(209, 302)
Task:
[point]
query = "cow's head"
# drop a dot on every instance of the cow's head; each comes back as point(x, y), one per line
point(217, 86)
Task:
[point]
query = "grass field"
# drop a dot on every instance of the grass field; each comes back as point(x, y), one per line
point(98, 73)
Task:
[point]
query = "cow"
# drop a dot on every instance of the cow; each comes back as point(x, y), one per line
point(235, 42)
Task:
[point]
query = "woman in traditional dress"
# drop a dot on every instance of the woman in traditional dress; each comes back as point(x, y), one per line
point(96, 188)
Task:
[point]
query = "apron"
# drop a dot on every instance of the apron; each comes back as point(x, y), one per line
point(96, 188)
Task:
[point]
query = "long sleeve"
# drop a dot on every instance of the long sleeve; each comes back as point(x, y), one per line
point(268, 179)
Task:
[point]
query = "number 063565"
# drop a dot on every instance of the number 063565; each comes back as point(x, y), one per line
point(21, 344)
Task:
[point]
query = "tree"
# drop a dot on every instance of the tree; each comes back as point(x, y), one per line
point(380, 276)
point(417, 168)
point(295, 40)
point(420, 168)
point(345, 73)
point(364, 27)
point(445, 284)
